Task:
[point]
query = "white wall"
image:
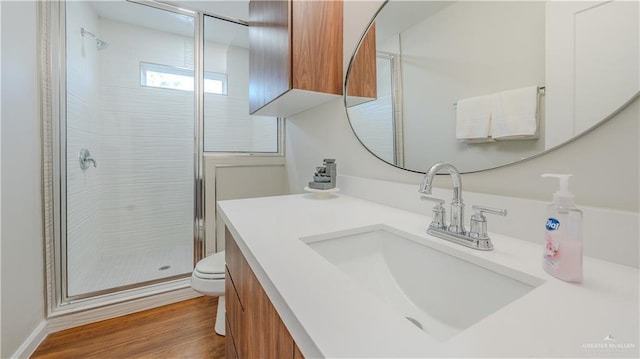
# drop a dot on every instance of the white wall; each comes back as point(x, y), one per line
point(593, 50)
point(605, 163)
point(22, 257)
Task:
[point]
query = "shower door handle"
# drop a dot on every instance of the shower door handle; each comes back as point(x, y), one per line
point(85, 159)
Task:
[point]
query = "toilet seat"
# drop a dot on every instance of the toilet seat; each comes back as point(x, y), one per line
point(208, 275)
point(211, 267)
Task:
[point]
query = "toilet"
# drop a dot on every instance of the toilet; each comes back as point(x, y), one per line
point(208, 279)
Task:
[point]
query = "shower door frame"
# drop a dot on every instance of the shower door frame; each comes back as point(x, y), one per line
point(53, 96)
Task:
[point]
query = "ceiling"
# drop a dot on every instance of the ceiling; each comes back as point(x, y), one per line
point(399, 15)
point(218, 31)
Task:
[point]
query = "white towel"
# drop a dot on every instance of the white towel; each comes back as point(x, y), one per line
point(514, 114)
point(473, 119)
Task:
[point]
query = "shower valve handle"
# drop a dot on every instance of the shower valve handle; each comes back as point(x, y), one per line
point(86, 160)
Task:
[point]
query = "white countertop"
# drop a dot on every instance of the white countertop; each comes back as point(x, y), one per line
point(330, 316)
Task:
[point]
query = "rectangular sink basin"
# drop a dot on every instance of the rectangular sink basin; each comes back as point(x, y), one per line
point(439, 292)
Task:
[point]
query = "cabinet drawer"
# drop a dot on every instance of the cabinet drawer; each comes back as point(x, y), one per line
point(255, 330)
point(229, 344)
point(234, 312)
point(236, 268)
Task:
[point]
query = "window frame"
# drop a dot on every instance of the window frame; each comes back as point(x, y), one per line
point(280, 141)
point(180, 71)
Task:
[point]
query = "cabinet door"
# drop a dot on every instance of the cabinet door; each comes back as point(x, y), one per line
point(269, 336)
point(229, 345)
point(317, 31)
point(269, 51)
point(234, 317)
point(295, 54)
point(255, 328)
point(297, 354)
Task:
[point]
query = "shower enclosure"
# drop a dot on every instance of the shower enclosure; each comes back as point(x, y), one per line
point(129, 148)
point(128, 92)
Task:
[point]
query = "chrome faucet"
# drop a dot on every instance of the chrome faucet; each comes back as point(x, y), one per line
point(477, 237)
point(456, 225)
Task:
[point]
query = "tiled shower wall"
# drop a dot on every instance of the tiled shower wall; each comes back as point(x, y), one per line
point(84, 222)
point(147, 140)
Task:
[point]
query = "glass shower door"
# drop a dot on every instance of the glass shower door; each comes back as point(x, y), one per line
point(130, 151)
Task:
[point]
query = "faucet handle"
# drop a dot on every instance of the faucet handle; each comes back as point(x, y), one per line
point(425, 198)
point(439, 213)
point(482, 209)
point(478, 225)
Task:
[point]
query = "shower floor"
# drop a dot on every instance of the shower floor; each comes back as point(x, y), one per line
point(122, 270)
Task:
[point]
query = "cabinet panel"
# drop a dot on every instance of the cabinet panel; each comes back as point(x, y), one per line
point(254, 326)
point(233, 310)
point(317, 46)
point(269, 336)
point(295, 55)
point(229, 345)
point(297, 354)
point(235, 268)
point(269, 51)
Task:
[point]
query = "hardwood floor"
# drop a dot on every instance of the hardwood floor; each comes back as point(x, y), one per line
point(180, 330)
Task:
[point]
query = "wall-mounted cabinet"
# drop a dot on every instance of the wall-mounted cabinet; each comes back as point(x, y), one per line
point(296, 55)
point(254, 328)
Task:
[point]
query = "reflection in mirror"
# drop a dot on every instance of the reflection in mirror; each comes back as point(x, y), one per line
point(485, 84)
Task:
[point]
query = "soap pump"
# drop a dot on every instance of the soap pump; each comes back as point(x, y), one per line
point(563, 234)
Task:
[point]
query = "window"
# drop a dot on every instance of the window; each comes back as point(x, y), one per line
point(175, 78)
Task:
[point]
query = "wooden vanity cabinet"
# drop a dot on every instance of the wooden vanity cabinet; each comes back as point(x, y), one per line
point(295, 55)
point(254, 328)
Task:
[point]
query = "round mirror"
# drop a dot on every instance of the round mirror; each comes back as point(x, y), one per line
point(485, 84)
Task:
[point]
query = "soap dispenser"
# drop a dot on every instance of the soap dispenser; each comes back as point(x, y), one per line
point(563, 234)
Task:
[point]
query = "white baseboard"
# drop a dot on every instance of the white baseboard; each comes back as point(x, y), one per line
point(31, 344)
point(115, 310)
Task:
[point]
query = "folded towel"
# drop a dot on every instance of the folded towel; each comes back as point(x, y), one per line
point(473, 119)
point(514, 114)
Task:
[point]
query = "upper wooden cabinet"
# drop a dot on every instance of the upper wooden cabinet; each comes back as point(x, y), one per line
point(295, 55)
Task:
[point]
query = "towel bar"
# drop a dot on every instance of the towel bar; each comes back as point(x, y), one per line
point(541, 91)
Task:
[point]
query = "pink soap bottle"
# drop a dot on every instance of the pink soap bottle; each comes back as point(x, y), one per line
point(562, 256)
